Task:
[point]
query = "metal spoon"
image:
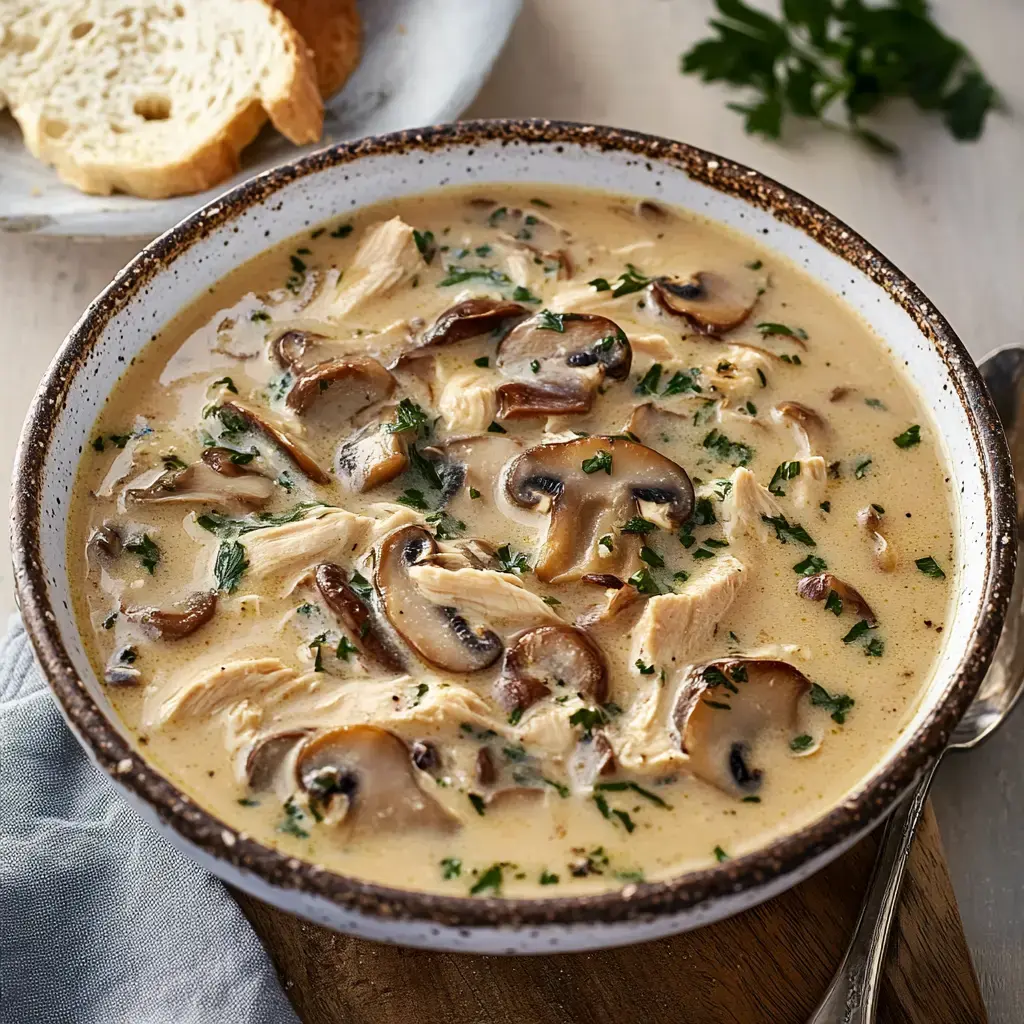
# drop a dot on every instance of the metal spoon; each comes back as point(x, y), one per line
point(852, 998)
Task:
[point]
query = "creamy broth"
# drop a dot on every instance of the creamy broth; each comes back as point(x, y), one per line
point(343, 597)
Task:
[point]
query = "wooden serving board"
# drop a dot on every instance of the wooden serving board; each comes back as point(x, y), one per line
point(769, 965)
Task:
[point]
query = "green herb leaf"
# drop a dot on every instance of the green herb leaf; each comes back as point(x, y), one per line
point(638, 525)
point(451, 867)
point(490, 879)
point(786, 531)
point(930, 567)
point(342, 231)
point(734, 452)
point(547, 878)
point(810, 565)
point(645, 582)
point(860, 470)
point(835, 704)
point(834, 603)
point(652, 558)
point(785, 471)
point(479, 805)
point(413, 498)
point(601, 461)
point(800, 743)
point(229, 566)
point(648, 384)
point(720, 854)
point(426, 244)
point(511, 561)
point(408, 416)
point(909, 437)
point(683, 381)
point(770, 329)
point(146, 549)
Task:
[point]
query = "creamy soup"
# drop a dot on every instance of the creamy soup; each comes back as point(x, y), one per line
point(514, 542)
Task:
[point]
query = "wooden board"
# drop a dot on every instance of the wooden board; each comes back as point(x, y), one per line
point(769, 965)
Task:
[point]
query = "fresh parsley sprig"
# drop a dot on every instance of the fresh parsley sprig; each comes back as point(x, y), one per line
point(839, 61)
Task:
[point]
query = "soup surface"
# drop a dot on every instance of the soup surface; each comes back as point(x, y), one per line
point(496, 541)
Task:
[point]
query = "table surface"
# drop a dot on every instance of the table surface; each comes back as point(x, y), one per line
point(949, 215)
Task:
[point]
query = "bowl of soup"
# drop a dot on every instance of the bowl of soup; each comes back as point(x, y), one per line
point(513, 536)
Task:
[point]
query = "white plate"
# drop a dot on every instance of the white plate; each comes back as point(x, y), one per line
point(423, 62)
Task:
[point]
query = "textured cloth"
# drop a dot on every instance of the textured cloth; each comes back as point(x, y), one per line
point(101, 920)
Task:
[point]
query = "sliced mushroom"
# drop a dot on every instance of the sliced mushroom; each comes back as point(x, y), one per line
point(652, 425)
point(361, 381)
point(557, 361)
point(870, 521)
point(201, 483)
point(549, 656)
point(224, 461)
point(821, 584)
point(302, 459)
point(291, 349)
point(363, 776)
point(440, 635)
point(584, 506)
point(616, 598)
point(837, 394)
point(372, 456)
point(484, 769)
point(470, 319)
point(121, 670)
point(267, 756)
point(425, 755)
point(513, 796)
point(710, 302)
point(726, 707)
point(343, 601)
point(104, 542)
point(176, 623)
point(810, 428)
point(471, 462)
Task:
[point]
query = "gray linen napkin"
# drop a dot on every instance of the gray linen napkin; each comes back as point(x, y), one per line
point(101, 920)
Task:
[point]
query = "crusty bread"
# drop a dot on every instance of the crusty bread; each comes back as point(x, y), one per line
point(334, 31)
point(152, 97)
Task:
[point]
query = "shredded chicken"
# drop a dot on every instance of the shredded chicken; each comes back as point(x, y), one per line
point(744, 505)
point(482, 593)
point(808, 488)
point(227, 686)
point(283, 555)
point(467, 403)
point(671, 635)
point(521, 265)
point(387, 256)
point(733, 372)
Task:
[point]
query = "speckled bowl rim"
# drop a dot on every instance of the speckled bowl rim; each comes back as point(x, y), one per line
point(782, 857)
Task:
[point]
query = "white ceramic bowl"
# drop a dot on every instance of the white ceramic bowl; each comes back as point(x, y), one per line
point(266, 210)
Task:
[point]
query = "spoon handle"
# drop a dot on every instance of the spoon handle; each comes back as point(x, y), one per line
point(852, 998)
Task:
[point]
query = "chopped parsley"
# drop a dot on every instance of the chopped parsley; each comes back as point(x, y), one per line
point(361, 585)
point(614, 787)
point(798, 744)
point(451, 867)
point(650, 381)
point(478, 803)
point(511, 561)
point(408, 416)
point(857, 630)
point(644, 669)
point(547, 878)
point(734, 452)
point(860, 470)
point(226, 382)
point(523, 294)
point(810, 565)
point(446, 526)
point(459, 275)
point(413, 498)
point(342, 231)
point(720, 854)
point(652, 558)
point(146, 549)
point(549, 321)
point(346, 647)
point(930, 567)
point(874, 648)
point(588, 719)
point(835, 704)
point(834, 603)
point(426, 244)
point(490, 879)
point(785, 471)
point(682, 381)
point(874, 403)
point(786, 531)
point(230, 565)
point(292, 824)
point(644, 582)
point(629, 281)
point(768, 329)
point(601, 461)
point(483, 362)
point(909, 437)
point(638, 525)
point(496, 428)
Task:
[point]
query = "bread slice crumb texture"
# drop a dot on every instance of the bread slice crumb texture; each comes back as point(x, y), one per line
point(155, 99)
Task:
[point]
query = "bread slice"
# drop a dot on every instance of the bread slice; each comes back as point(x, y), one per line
point(152, 97)
point(334, 31)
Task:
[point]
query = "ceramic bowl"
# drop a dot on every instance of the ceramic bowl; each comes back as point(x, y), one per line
point(166, 275)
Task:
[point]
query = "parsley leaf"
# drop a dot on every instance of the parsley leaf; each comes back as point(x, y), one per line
point(602, 460)
point(810, 565)
point(930, 567)
point(511, 561)
point(408, 416)
point(786, 531)
point(146, 549)
point(835, 704)
point(909, 437)
point(490, 879)
point(230, 564)
point(734, 452)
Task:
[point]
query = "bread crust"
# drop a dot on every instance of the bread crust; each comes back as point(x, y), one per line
point(334, 31)
point(289, 97)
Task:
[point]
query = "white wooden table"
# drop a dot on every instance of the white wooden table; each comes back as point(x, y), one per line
point(951, 216)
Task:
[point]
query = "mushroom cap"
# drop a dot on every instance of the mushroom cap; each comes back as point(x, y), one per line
point(104, 542)
point(267, 755)
point(360, 379)
point(220, 461)
point(439, 635)
point(474, 461)
point(343, 601)
point(755, 697)
point(203, 483)
point(710, 302)
point(870, 521)
point(363, 775)
point(372, 456)
point(260, 423)
point(181, 621)
point(811, 428)
point(584, 506)
point(818, 587)
point(549, 656)
point(557, 361)
point(289, 349)
point(470, 319)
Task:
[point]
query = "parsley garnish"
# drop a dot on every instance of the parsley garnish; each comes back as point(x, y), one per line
point(857, 630)
point(720, 854)
point(734, 452)
point(810, 565)
point(649, 382)
point(834, 603)
point(478, 803)
point(769, 329)
point(346, 647)
point(451, 867)
point(652, 558)
point(490, 879)
point(588, 719)
point(909, 437)
point(459, 275)
point(425, 243)
point(408, 416)
point(225, 382)
point(549, 321)
point(522, 294)
point(800, 743)
point(293, 816)
point(146, 549)
point(511, 561)
point(629, 281)
point(446, 526)
point(638, 525)
point(930, 567)
point(785, 531)
point(820, 60)
point(835, 704)
point(644, 582)
point(229, 566)
point(342, 231)
point(860, 470)
point(547, 878)
point(602, 460)
point(644, 669)
point(483, 361)
point(413, 498)
point(785, 471)
point(496, 428)
point(636, 788)
point(683, 380)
